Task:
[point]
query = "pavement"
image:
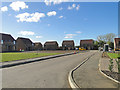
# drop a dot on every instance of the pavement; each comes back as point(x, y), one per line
point(88, 75)
point(51, 73)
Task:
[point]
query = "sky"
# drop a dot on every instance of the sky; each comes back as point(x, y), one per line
point(58, 21)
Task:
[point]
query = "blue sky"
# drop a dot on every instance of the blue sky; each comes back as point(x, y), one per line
point(42, 22)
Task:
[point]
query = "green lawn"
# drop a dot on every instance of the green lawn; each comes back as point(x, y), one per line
point(20, 56)
point(113, 55)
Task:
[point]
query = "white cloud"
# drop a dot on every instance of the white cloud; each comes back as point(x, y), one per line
point(16, 6)
point(48, 2)
point(25, 33)
point(48, 24)
point(60, 16)
point(70, 8)
point(69, 36)
point(52, 13)
point(38, 36)
point(78, 32)
point(78, 6)
point(5, 8)
point(74, 6)
point(61, 8)
point(27, 17)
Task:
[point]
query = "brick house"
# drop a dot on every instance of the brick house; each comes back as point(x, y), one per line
point(51, 45)
point(7, 42)
point(24, 44)
point(116, 43)
point(87, 44)
point(38, 46)
point(68, 45)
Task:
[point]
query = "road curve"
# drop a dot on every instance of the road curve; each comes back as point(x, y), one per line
point(51, 73)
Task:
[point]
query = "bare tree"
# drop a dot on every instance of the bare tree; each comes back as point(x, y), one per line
point(107, 37)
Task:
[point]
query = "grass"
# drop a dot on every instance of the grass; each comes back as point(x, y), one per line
point(20, 56)
point(113, 55)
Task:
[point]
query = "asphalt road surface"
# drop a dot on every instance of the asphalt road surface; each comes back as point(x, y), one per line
point(88, 75)
point(51, 73)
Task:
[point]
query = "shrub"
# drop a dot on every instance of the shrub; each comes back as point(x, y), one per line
point(111, 65)
point(118, 64)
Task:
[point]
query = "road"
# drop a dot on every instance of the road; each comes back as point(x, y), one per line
point(88, 75)
point(51, 73)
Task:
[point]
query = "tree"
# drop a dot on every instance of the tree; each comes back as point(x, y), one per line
point(107, 37)
point(111, 45)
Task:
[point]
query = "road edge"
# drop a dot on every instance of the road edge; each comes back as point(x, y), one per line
point(36, 60)
point(105, 74)
point(71, 80)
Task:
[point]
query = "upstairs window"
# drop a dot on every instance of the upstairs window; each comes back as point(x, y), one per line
point(32, 44)
point(1, 41)
point(13, 42)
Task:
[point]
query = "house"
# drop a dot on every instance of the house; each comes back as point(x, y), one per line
point(117, 43)
point(38, 46)
point(24, 44)
point(7, 42)
point(87, 44)
point(51, 45)
point(68, 45)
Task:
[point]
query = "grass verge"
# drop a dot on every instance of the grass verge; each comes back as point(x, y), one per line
point(20, 56)
point(113, 55)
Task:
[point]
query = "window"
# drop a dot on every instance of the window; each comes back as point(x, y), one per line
point(1, 41)
point(119, 43)
point(32, 44)
point(13, 42)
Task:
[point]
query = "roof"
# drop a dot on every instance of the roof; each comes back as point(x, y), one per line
point(87, 40)
point(68, 41)
point(25, 40)
point(6, 37)
point(37, 43)
point(51, 43)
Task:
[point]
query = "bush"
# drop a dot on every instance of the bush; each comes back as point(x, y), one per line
point(111, 65)
point(118, 64)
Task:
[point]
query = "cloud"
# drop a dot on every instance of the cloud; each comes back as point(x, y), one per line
point(48, 2)
point(38, 36)
point(78, 6)
point(74, 6)
point(48, 24)
point(27, 17)
point(78, 32)
point(16, 6)
point(61, 8)
point(25, 33)
point(60, 16)
point(5, 8)
point(52, 13)
point(69, 36)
